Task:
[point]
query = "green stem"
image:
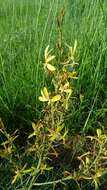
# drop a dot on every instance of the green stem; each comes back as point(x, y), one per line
point(54, 182)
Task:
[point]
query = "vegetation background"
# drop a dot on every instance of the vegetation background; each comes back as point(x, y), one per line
point(26, 27)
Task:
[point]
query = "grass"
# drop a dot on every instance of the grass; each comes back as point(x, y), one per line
point(26, 28)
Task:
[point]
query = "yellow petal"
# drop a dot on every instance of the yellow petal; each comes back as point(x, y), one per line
point(34, 126)
point(66, 85)
point(59, 128)
point(56, 98)
point(73, 75)
point(50, 67)
point(42, 93)
point(45, 92)
point(46, 52)
point(87, 160)
point(69, 91)
point(99, 132)
point(45, 95)
point(43, 99)
point(50, 58)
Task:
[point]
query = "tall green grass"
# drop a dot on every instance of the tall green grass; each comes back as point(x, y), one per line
point(26, 28)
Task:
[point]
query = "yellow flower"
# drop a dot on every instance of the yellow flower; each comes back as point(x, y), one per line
point(72, 50)
point(46, 98)
point(66, 88)
point(73, 75)
point(56, 134)
point(48, 59)
point(71, 56)
point(45, 95)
